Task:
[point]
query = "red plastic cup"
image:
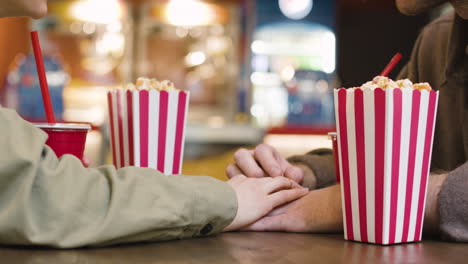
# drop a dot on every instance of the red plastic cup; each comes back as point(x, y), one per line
point(66, 138)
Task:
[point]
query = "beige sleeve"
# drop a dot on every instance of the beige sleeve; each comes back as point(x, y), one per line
point(59, 203)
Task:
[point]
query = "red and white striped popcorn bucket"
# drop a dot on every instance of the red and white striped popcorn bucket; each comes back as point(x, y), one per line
point(384, 150)
point(148, 128)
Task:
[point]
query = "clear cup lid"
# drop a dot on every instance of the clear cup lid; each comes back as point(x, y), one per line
point(63, 126)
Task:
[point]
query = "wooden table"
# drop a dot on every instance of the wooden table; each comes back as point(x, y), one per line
point(248, 248)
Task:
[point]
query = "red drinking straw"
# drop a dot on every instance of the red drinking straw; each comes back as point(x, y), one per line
point(391, 64)
point(42, 77)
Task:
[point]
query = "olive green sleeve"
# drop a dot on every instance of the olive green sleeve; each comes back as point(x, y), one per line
point(59, 203)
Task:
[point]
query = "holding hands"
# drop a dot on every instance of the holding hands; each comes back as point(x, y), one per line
point(256, 197)
point(294, 209)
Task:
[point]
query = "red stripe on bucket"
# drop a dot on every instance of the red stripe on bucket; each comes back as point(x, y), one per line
point(426, 162)
point(111, 119)
point(361, 161)
point(120, 127)
point(411, 161)
point(396, 146)
point(379, 102)
point(144, 127)
point(345, 161)
point(336, 159)
point(179, 137)
point(163, 103)
point(130, 126)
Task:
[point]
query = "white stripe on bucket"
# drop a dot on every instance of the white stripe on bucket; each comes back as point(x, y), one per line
point(418, 162)
point(404, 154)
point(353, 163)
point(369, 130)
point(136, 127)
point(153, 132)
point(173, 97)
point(388, 164)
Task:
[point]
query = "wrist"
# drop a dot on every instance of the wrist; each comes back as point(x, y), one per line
point(327, 217)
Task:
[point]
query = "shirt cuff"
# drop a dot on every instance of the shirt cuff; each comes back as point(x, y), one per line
point(321, 162)
point(216, 207)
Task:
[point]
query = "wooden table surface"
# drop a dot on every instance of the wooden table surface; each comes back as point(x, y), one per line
point(248, 248)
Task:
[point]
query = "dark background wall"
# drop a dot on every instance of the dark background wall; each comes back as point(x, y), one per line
point(368, 35)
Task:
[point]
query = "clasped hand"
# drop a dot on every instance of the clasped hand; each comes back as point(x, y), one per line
point(277, 202)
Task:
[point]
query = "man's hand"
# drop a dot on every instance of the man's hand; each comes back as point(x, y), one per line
point(265, 161)
point(319, 212)
point(256, 197)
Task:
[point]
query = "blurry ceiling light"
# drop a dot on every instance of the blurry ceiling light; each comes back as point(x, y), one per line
point(181, 32)
point(257, 46)
point(287, 73)
point(195, 32)
point(110, 43)
point(75, 27)
point(265, 79)
point(98, 66)
point(89, 28)
point(328, 46)
point(217, 29)
point(189, 13)
point(195, 58)
point(96, 11)
point(56, 78)
point(216, 45)
point(114, 27)
point(257, 110)
point(295, 9)
point(260, 63)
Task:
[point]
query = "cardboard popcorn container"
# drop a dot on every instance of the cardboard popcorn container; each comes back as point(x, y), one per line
point(384, 152)
point(148, 128)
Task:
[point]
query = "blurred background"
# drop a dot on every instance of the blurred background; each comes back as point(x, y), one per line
point(257, 70)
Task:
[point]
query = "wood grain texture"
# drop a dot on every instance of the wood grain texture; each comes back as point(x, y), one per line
point(248, 248)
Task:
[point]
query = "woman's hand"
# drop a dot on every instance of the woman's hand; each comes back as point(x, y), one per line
point(256, 197)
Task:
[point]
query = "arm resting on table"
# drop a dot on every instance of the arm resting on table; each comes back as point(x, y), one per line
point(58, 202)
point(453, 205)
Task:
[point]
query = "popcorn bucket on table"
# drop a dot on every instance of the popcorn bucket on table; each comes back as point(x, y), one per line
point(148, 128)
point(384, 150)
